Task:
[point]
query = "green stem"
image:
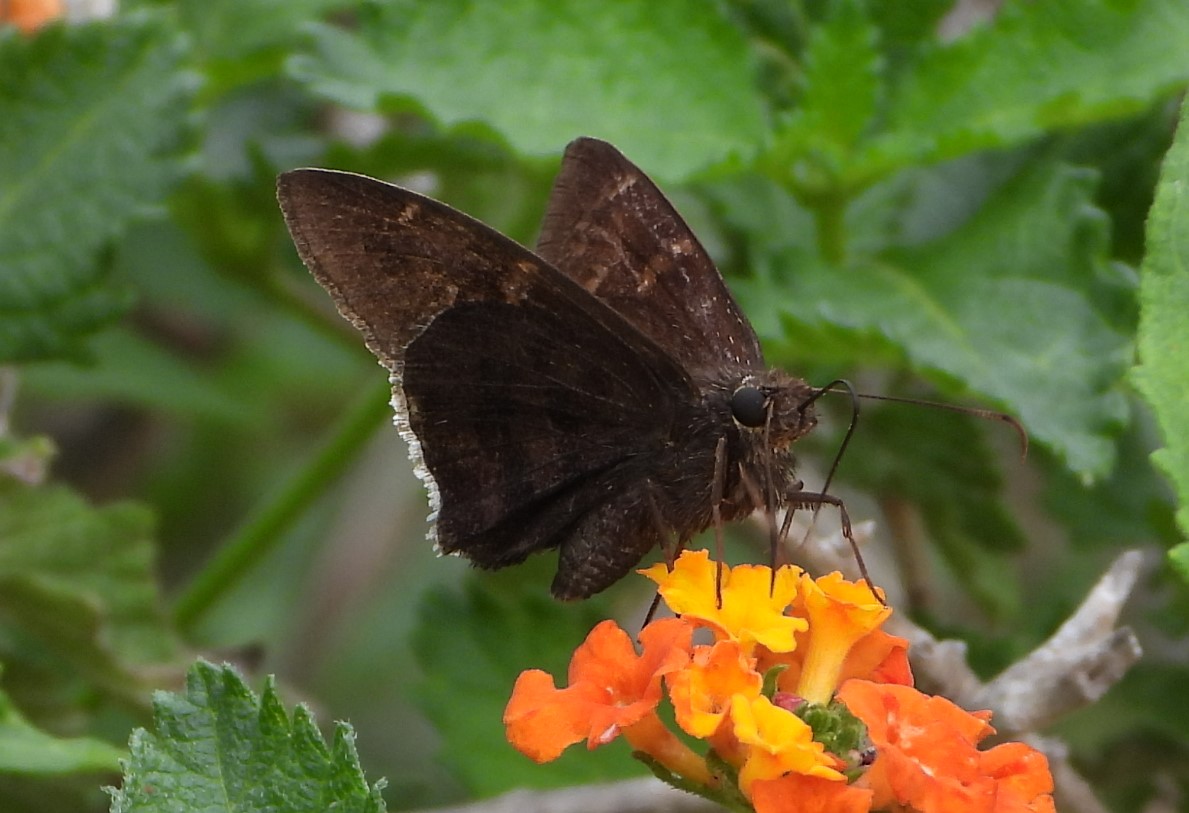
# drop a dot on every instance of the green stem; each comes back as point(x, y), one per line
point(264, 528)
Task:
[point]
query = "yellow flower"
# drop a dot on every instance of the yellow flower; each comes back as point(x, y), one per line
point(840, 613)
point(779, 742)
point(753, 603)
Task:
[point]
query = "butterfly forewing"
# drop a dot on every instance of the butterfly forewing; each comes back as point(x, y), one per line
point(527, 402)
point(609, 228)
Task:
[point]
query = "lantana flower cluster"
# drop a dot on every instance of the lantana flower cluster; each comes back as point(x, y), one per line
point(799, 703)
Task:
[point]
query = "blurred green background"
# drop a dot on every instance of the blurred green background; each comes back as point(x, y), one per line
point(936, 200)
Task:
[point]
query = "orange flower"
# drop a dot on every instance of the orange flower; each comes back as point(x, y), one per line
point(1023, 779)
point(798, 793)
point(878, 657)
point(928, 758)
point(30, 15)
point(702, 692)
point(753, 603)
point(611, 687)
point(840, 614)
point(780, 742)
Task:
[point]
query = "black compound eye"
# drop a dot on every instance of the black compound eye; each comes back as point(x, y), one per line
point(748, 406)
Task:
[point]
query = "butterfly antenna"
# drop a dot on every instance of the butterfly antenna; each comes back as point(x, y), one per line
point(984, 414)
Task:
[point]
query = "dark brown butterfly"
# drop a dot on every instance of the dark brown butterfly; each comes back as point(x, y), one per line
point(601, 396)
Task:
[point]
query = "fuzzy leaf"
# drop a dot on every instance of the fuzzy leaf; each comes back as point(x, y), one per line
point(90, 115)
point(1036, 67)
point(234, 29)
point(129, 369)
point(841, 92)
point(1163, 374)
point(677, 95)
point(218, 747)
point(1000, 304)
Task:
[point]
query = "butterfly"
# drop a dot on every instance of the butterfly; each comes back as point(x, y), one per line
point(601, 395)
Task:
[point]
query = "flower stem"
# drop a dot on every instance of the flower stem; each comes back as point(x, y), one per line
point(652, 737)
point(263, 529)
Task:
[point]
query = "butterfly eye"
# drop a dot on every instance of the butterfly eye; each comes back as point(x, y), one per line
point(748, 406)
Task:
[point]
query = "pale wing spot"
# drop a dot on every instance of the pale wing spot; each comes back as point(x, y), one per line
point(625, 183)
point(647, 278)
point(408, 213)
point(681, 246)
point(514, 286)
point(598, 273)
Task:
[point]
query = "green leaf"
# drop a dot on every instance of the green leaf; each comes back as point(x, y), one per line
point(471, 645)
point(999, 304)
point(90, 119)
point(670, 83)
point(218, 747)
point(905, 23)
point(1179, 559)
point(1036, 67)
point(1133, 504)
point(80, 579)
point(25, 749)
point(235, 29)
point(841, 93)
point(1163, 374)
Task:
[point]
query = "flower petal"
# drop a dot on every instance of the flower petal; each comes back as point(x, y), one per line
point(928, 760)
point(611, 687)
point(1023, 780)
point(780, 742)
point(753, 603)
point(542, 721)
point(798, 793)
point(878, 657)
point(607, 658)
point(840, 614)
point(701, 693)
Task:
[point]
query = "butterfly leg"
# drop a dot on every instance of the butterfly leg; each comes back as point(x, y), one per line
point(716, 493)
point(757, 498)
point(670, 552)
point(798, 499)
point(661, 526)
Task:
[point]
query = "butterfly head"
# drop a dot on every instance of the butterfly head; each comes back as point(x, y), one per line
point(777, 403)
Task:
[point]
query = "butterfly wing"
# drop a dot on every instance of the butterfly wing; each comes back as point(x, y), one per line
point(610, 229)
point(527, 403)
